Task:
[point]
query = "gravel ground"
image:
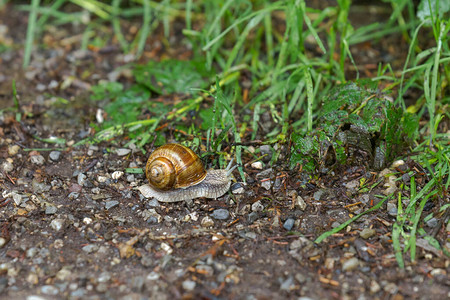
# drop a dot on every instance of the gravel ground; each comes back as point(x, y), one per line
point(73, 224)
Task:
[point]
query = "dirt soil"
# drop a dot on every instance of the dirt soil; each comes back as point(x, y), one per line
point(73, 225)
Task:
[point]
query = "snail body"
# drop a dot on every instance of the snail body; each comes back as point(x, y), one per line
point(176, 173)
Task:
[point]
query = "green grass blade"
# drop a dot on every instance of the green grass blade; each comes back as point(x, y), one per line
point(31, 30)
point(346, 223)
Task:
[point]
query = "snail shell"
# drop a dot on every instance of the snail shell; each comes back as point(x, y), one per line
point(174, 166)
point(176, 173)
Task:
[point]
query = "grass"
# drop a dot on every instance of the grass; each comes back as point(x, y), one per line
point(289, 56)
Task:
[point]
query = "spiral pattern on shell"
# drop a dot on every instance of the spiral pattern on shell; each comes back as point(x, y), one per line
point(174, 166)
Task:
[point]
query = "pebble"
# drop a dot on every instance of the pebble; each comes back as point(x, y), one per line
point(237, 188)
point(7, 166)
point(188, 285)
point(391, 288)
point(352, 185)
point(397, 163)
point(111, 204)
point(266, 184)
point(32, 278)
point(390, 185)
point(2, 242)
point(252, 217)
point(288, 224)
point(433, 222)
point(34, 297)
point(265, 174)
point(57, 224)
point(166, 248)
point(251, 235)
point(90, 248)
point(220, 214)
point(300, 203)
point(39, 187)
point(288, 284)
point(406, 178)
point(73, 195)
point(207, 222)
point(257, 165)
point(152, 276)
point(391, 209)
point(116, 175)
point(367, 233)
point(350, 264)
point(55, 155)
point(37, 160)
point(13, 150)
point(51, 210)
point(318, 194)
point(123, 151)
point(265, 149)
point(130, 178)
point(31, 252)
point(17, 198)
point(257, 206)
point(49, 290)
point(374, 287)
point(81, 179)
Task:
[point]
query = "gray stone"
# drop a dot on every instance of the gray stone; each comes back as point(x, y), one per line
point(57, 224)
point(237, 188)
point(51, 210)
point(188, 285)
point(220, 214)
point(81, 179)
point(257, 206)
point(288, 224)
point(252, 217)
point(122, 151)
point(111, 204)
point(55, 155)
point(90, 248)
point(207, 222)
point(367, 233)
point(433, 222)
point(350, 264)
point(49, 290)
point(37, 160)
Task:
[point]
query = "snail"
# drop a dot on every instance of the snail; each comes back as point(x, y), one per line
point(176, 173)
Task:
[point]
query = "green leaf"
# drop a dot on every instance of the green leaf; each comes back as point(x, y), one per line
point(173, 76)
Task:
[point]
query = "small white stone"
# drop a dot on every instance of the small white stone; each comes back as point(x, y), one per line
point(7, 166)
point(397, 163)
point(153, 276)
point(188, 285)
point(123, 151)
point(257, 165)
point(207, 222)
point(101, 179)
point(13, 150)
point(57, 224)
point(116, 175)
point(350, 264)
point(257, 206)
point(374, 287)
point(166, 248)
point(87, 221)
point(300, 203)
point(37, 160)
